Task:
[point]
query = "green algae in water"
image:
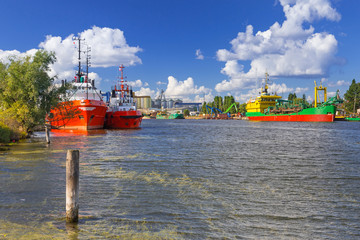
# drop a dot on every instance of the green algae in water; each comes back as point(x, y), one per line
point(10, 230)
point(88, 230)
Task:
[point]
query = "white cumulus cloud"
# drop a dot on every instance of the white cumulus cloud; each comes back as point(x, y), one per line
point(6, 55)
point(301, 90)
point(279, 88)
point(184, 89)
point(161, 83)
point(199, 54)
point(137, 83)
point(108, 48)
point(145, 92)
point(339, 83)
point(286, 49)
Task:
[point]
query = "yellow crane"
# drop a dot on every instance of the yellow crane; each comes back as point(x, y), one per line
point(317, 89)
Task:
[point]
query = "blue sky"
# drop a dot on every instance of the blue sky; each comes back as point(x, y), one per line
point(195, 49)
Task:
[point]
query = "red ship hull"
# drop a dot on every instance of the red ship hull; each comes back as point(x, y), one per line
point(123, 119)
point(295, 118)
point(78, 115)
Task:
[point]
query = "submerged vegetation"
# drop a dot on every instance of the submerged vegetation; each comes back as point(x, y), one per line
point(27, 93)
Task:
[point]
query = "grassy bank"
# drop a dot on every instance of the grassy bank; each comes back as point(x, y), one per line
point(8, 134)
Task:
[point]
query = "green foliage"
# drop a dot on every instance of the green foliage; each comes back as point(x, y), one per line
point(352, 95)
point(5, 133)
point(221, 104)
point(242, 108)
point(27, 92)
point(292, 96)
point(228, 101)
point(186, 112)
point(218, 102)
point(203, 108)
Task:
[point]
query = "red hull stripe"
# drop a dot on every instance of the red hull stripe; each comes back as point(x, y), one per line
point(295, 118)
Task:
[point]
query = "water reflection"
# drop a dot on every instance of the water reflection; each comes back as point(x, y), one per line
point(72, 230)
point(69, 133)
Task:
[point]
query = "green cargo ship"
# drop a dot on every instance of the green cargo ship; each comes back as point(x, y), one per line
point(267, 107)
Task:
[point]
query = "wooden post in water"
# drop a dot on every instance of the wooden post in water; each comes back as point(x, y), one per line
point(72, 186)
point(47, 134)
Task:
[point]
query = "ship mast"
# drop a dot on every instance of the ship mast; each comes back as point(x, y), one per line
point(87, 70)
point(88, 63)
point(266, 82)
point(123, 87)
point(122, 83)
point(122, 74)
point(78, 74)
point(265, 90)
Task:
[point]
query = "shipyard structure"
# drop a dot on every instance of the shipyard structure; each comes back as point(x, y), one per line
point(161, 103)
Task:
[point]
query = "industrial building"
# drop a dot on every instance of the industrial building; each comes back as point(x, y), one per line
point(143, 102)
point(161, 102)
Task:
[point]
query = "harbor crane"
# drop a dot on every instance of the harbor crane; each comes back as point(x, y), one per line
point(232, 105)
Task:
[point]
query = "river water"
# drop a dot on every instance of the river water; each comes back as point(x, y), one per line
point(189, 179)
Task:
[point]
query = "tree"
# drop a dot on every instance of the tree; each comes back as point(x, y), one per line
point(186, 112)
point(228, 101)
point(242, 108)
point(292, 96)
point(352, 96)
point(218, 102)
point(27, 92)
point(203, 108)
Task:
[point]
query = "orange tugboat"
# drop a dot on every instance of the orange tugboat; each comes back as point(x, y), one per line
point(82, 108)
point(122, 111)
